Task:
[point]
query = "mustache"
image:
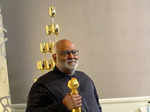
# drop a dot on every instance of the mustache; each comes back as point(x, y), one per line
point(72, 60)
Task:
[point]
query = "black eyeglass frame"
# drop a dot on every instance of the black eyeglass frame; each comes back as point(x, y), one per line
point(68, 52)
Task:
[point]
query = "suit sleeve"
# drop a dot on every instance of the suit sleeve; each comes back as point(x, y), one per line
point(41, 100)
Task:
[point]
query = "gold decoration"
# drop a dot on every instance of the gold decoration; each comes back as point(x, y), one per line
point(52, 29)
point(43, 47)
point(45, 64)
point(39, 65)
point(47, 47)
point(73, 84)
point(50, 47)
point(57, 29)
point(51, 64)
point(52, 11)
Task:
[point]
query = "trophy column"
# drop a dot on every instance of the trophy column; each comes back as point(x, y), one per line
point(73, 84)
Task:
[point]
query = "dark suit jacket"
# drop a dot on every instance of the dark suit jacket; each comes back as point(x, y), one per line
point(47, 93)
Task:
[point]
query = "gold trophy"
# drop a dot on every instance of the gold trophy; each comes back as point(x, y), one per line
point(45, 64)
point(50, 47)
point(73, 84)
point(43, 47)
point(52, 29)
point(52, 11)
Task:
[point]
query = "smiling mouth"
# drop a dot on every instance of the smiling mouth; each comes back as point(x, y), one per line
point(72, 62)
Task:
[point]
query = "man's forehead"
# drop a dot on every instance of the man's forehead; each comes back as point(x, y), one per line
point(65, 45)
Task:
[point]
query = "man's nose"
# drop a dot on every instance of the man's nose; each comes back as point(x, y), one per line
point(70, 55)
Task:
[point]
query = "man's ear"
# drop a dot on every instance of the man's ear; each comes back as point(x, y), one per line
point(54, 57)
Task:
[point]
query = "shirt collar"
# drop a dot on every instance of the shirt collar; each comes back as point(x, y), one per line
point(62, 73)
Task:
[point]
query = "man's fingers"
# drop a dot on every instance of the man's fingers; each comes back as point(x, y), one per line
point(78, 104)
point(76, 97)
point(76, 100)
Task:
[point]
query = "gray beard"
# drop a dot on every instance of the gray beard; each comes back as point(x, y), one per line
point(71, 68)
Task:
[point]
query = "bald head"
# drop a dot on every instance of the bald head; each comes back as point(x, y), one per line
point(64, 44)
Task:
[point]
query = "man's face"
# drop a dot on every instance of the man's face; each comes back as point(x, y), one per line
point(67, 58)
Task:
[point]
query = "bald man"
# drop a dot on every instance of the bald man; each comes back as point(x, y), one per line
point(50, 92)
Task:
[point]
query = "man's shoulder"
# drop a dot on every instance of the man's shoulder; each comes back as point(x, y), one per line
point(82, 74)
point(46, 78)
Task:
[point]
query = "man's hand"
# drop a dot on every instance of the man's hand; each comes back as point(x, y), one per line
point(72, 101)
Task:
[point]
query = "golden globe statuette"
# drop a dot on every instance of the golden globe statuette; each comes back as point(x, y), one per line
point(57, 29)
point(50, 47)
point(39, 65)
point(52, 29)
point(43, 47)
point(45, 64)
point(52, 11)
point(73, 84)
point(51, 64)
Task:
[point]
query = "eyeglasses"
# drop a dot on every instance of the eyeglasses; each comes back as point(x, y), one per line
point(68, 52)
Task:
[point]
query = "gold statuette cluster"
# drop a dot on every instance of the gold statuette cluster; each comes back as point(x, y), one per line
point(47, 46)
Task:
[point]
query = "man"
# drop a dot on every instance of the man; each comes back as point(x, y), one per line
point(51, 94)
